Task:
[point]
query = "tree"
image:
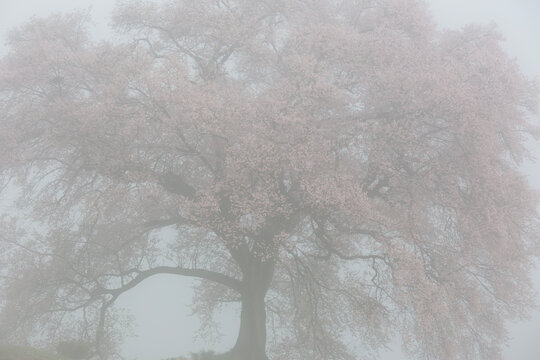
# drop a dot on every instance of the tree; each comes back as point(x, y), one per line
point(339, 168)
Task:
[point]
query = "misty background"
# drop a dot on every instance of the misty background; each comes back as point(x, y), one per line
point(163, 326)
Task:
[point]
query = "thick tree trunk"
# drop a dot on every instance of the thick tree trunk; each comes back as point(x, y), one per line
point(257, 274)
point(251, 342)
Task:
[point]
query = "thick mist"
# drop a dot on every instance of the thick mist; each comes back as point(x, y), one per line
point(270, 180)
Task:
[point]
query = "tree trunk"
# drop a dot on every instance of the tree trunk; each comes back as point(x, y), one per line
point(251, 342)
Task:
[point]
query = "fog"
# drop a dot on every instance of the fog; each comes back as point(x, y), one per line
point(163, 325)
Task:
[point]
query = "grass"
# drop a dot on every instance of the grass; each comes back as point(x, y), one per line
point(11, 352)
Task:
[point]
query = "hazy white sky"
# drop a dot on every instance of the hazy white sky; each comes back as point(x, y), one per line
point(160, 305)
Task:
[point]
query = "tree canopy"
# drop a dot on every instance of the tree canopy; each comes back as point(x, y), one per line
point(342, 169)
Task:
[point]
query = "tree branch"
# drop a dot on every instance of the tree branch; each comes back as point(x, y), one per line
point(198, 273)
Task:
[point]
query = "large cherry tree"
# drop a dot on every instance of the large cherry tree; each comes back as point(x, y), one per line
point(344, 170)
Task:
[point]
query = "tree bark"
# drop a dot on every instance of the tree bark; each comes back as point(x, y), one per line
point(251, 341)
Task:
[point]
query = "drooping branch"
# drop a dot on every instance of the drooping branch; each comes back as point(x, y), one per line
point(330, 248)
point(100, 331)
point(198, 273)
